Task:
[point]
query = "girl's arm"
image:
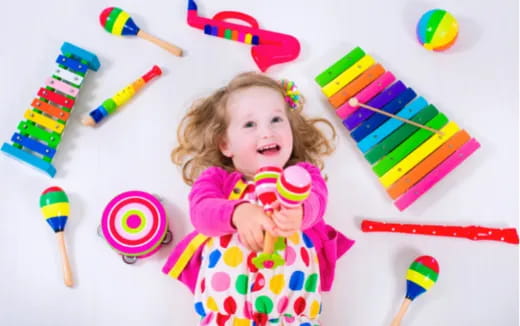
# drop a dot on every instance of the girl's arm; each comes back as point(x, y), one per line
point(210, 208)
point(315, 205)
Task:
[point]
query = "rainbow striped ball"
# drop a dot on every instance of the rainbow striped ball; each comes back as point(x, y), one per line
point(437, 30)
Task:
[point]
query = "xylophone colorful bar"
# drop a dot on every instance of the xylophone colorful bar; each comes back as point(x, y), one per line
point(407, 160)
point(38, 136)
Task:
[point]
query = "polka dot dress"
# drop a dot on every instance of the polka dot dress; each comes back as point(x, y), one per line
point(232, 291)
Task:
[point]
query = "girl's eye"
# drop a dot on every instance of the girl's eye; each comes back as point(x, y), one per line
point(249, 124)
point(277, 119)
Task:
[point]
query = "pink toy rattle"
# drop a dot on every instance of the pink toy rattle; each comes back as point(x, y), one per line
point(134, 224)
point(292, 187)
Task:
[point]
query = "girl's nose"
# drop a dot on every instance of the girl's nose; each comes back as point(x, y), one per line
point(266, 131)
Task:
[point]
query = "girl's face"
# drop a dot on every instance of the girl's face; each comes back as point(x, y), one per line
point(258, 132)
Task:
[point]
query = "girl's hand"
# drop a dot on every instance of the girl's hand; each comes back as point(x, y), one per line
point(251, 222)
point(288, 220)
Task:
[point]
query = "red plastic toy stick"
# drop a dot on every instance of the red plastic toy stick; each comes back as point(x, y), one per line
point(471, 232)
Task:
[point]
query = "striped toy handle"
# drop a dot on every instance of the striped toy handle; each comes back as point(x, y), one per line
point(471, 232)
point(223, 15)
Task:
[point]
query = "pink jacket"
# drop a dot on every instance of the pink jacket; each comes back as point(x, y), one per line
point(211, 210)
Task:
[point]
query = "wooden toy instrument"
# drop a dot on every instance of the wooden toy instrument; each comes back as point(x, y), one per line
point(407, 158)
point(55, 208)
point(118, 22)
point(37, 138)
point(420, 277)
point(112, 104)
point(472, 232)
point(269, 48)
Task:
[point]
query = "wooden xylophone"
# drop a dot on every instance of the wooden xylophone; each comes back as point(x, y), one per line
point(38, 136)
point(407, 160)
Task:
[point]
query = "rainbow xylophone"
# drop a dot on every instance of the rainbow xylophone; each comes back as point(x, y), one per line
point(407, 160)
point(38, 136)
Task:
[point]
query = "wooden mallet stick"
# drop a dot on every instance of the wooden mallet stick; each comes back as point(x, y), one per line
point(354, 102)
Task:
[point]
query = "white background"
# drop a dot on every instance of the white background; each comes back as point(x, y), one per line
point(475, 84)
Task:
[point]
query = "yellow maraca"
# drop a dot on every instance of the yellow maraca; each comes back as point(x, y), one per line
point(118, 22)
point(55, 207)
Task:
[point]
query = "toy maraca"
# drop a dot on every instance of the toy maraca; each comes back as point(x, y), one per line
point(55, 207)
point(118, 22)
point(421, 276)
point(265, 189)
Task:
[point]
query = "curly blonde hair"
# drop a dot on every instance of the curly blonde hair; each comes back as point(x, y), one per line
point(203, 129)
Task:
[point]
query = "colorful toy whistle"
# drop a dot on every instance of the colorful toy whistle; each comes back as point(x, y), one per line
point(110, 105)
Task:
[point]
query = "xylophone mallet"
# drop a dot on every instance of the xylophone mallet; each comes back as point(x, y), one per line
point(355, 102)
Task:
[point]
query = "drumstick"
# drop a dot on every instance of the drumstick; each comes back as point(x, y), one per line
point(471, 232)
point(355, 102)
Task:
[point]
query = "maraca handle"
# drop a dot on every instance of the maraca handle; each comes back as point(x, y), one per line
point(67, 273)
point(400, 314)
point(165, 45)
point(269, 239)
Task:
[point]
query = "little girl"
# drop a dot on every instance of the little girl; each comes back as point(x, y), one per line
point(224, 139)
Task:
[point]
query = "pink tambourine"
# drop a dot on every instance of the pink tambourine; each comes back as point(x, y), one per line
point(134, 224)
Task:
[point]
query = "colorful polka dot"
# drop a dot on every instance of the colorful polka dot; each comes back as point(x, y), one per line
point(199, 308)
point(233, 256)
point(294, 238)
point(311, 283)
point(282, 304)
point(214, 257)
point(241, 322)
point(299, 305)
point(314, 309)
point(307, 241)
point(211, 304)
point(220, 281)
point(241, 284)
point(203, 285)
point(296, 281)
point(263, 304)
point(230, 306)
point(290, 256)
point(224, 240)
point(277, 283)
point(305, 256)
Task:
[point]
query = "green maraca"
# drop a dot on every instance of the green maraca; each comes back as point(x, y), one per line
point(55, 208)
point(118, 22)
